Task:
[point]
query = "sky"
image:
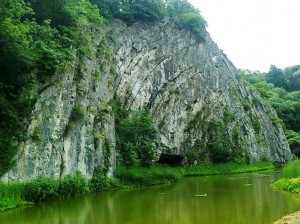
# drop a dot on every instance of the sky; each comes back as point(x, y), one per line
point(255, 33)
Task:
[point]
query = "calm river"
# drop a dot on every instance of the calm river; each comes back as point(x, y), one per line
point(205, 200)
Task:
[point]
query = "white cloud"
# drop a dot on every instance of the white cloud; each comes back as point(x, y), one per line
point(255, 34)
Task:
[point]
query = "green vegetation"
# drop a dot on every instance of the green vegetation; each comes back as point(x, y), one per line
point(281, 88)
point(291, 185)
point(291, 178)
point(291, 170)
point(181, 12)
point(187, 17)
point(137, 177)
point(228, 168)
point(131, 11)
point(136, 137)
point(37, 39)
point(216, 145)
point(42, 189)
point(11, 196)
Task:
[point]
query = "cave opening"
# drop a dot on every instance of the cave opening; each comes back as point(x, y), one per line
point(171, 160)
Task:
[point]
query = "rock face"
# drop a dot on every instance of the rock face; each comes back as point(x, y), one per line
point(186, 85)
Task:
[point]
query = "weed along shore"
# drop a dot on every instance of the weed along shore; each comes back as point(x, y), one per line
point(290, 182)
point(43, 189)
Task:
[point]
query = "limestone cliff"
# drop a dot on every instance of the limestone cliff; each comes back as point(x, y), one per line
point(185, 84)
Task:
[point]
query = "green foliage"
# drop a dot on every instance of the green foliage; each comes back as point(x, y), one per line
point(256, 126)
point(136, 136)
point(10, 203)
point(192, 155)
point(219, 144)
point(294, 141)
point(131, 11)
point(291, 185)
point(196, 120)
point(72, 185)
point(276, 76)
point(48, 188)
point(292, 76)
point(227, 168)
point(41, 189)
point(11, 196)
point(130, 156)
point(35, 40)
point(246, 105)
point(187, 17)
point(193, 22)
point(181, 11)
point(78, 112)
point(286, 104)
point(155, 175)
point(101, 183)
point(291, 169)
point(233, 89)
point(8, 148)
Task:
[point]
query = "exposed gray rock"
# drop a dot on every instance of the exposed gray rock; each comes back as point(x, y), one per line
point(160, 68)
point(166, 70)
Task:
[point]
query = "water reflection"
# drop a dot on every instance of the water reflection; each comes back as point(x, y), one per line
point(216, 199)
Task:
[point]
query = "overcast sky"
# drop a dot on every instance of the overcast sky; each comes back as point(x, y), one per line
point(255, 33)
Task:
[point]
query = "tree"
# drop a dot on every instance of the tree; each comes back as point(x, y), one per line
point(294, 141)
point(276, 76)
point(131, 11)
point(186, 16)
point(136, 136)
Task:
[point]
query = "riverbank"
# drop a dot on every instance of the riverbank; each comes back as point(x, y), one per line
point(290, 219)
point(228, 168)
point(42, 189)
point(290, 180)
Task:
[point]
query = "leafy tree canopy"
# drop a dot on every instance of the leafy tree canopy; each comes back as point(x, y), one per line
point(281, 89)
point(136, 137)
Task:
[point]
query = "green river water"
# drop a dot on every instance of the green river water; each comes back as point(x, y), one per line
point(214, 199)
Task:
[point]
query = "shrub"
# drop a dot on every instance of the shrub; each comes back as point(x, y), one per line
point(101, 183)
point(41, 189)
point(48, 188)
point(192, 156)
point(187, 17)
point(8, 149)
point(78, 112)
point(292, 185)
point(73, 185)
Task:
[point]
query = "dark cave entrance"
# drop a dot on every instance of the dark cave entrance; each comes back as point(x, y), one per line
point(171, 159)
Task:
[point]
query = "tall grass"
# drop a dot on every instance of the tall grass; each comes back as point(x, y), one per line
point(155, 175)
point(11, 196)
point(291, 178)
point(292, 169)
point(228, 168)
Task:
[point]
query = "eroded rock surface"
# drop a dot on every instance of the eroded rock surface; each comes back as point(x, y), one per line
point(186, 85)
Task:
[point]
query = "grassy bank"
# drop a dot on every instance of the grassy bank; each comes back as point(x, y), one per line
point(291, 178)
point(228, 168)
point(138, 177)
point(11, 196)
point(42, 189)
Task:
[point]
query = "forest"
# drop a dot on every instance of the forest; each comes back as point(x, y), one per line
point(281, 88)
